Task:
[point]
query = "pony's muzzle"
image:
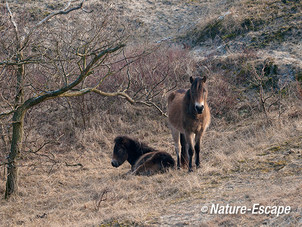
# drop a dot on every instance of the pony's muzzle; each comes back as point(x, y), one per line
point(199, 108)
point(115, 163)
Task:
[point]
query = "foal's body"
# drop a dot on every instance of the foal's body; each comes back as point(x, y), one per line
point(153, 162)
point(189, 114)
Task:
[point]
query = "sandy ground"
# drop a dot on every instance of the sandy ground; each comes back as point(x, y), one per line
point(156, 21)
point(240, 190)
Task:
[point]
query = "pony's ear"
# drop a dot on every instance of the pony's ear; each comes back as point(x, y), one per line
point(118, 139)
point(122, 140)
point(191, 79)
point(204, 79)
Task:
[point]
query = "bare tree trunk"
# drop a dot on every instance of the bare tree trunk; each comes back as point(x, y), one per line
point(16, 146)
point(19, 99)
point(17, 136)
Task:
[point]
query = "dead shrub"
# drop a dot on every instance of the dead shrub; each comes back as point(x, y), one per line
point(222, 98)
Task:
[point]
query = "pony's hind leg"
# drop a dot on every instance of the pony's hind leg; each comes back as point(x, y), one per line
point(176, 138)
point(145, 168)
point(184, 153)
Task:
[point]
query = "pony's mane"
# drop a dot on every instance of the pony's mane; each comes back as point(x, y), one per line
point(189, 108)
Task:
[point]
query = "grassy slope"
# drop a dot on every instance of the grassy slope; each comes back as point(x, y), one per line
point(243, 163)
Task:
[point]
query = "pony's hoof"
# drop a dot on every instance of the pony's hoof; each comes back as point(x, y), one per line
point(190, 170)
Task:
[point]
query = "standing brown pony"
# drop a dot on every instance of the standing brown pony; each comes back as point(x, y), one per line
point(189, 114)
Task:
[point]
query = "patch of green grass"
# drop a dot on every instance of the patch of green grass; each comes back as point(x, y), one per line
point(299, 77)
point(277, 165)
point(277, 36)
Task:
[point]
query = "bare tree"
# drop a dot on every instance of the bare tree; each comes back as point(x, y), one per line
point(51, 59)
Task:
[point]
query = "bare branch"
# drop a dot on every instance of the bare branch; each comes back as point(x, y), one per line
point(113, 94)
point(59, 93)
point(3, 71)
point(31, 60)
point(60, 12)
point(101, 198)
point(99, 92)
point(6, 113)
point(41, 147)
point(150, 104)
point(13, 22)
point(130, 100)
point(76, 93)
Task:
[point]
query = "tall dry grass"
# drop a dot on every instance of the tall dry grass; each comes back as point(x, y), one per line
point(66, 178)
point(82, 188)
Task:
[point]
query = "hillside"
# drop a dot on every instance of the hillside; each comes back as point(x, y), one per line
point(251, 52)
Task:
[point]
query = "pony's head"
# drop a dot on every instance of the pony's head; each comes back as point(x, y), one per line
point(199, 93)
point(120, 152)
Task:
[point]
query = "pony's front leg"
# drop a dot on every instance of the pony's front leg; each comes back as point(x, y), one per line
point(190, 146)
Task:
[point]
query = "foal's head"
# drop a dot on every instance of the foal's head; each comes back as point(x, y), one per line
point(120, 152)
point(199, 93)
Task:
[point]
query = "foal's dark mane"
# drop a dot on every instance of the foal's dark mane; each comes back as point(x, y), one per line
point(134, 148)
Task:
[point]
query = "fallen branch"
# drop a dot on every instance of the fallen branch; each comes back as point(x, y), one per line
point(101, 199)
point(70, 165)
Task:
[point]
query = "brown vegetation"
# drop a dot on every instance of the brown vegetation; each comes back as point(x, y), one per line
point(252, 152)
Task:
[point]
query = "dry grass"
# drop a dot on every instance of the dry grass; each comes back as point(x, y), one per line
point(245, 159)
point(241, 164)
point(256, 23)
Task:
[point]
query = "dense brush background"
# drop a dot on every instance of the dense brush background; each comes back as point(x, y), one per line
point(251, 152)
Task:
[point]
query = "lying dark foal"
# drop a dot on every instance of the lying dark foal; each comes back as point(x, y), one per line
point(143, 159)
